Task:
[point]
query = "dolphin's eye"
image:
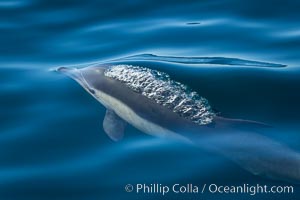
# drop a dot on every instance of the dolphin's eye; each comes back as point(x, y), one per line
point(91, 91)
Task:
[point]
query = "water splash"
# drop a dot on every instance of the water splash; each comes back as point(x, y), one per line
point(159, 87)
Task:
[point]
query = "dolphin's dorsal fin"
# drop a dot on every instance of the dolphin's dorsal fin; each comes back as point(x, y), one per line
point(113, 125)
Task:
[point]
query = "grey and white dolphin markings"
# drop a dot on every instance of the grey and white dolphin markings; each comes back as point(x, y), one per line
point(152, 102)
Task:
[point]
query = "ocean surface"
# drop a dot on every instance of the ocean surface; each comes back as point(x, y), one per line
point(242, 56)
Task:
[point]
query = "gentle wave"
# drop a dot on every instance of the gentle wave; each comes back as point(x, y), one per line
point(201, 60)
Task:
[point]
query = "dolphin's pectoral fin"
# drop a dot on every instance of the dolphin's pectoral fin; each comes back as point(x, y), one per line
point(113, 125)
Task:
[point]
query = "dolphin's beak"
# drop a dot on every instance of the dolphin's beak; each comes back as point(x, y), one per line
point(71, 72)
point(75, 74)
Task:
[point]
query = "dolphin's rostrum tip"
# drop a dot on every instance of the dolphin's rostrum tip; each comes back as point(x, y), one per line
point(62, 69)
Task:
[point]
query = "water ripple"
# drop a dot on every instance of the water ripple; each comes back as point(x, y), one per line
point(202, 60)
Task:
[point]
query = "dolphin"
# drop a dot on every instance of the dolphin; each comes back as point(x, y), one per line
point(155, 104)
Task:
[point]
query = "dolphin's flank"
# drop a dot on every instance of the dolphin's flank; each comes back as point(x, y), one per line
point(155, 104)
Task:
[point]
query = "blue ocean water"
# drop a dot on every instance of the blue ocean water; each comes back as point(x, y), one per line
point(52, 144)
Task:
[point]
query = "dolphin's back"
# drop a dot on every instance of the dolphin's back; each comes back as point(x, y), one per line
point(158, 87)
